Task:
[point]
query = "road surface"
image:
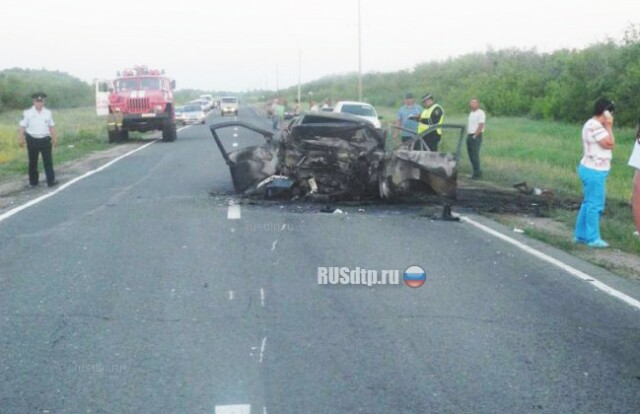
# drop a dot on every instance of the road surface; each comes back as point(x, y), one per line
point(135, 291)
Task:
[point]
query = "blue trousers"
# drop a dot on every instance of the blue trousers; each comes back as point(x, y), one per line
point(588, 222)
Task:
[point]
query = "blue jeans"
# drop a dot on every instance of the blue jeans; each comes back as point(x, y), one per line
point(588, 222)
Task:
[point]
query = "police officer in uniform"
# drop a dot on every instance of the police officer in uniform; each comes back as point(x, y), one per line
point(433, 114)
point(38, 132)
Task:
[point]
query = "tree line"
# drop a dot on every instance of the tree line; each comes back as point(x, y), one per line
point(561, 85)
point(62, 89)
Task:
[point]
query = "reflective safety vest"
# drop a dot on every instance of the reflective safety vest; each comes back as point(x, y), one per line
point(426, 114)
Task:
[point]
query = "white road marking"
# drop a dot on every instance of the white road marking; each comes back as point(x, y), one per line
point(233, 409)
point(231, 295)
point(235, 135)
point(262, 346)
point(273, 246)
point(569, 269)
point(233, 213)
point(262, 297)
point(62, 187)
point(264, 410)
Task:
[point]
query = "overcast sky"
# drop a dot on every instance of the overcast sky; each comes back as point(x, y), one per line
point(251, 44)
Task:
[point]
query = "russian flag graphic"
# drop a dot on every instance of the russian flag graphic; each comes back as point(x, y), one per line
point(414, 277)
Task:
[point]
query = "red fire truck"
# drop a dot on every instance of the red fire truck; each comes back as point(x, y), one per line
point(138, 99)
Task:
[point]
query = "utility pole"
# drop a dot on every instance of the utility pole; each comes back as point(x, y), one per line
point(359, 53)
point(299, 70)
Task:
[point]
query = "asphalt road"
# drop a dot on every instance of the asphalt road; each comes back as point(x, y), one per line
point(132, 292)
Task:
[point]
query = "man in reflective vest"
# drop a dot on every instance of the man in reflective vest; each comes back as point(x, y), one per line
point(433, 114)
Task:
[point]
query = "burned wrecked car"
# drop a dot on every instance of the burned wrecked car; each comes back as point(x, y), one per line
point(332, 156)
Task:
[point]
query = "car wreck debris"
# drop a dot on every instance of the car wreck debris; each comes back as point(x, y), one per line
point(330, 156)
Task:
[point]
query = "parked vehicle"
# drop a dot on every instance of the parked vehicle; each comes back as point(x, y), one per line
point(139, 99)
point(360, 109)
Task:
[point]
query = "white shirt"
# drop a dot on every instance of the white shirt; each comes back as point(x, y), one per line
point(36, 123)
point(595, 157)
point(634, 160)
point(476, 118)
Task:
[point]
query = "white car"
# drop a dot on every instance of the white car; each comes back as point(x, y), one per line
point(359, 109)
point(193, 114)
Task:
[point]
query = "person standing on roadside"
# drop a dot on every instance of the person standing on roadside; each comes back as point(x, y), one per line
point(403, 119)
point(598, 142)
point(634, 161)
point(38, 133)
point(313, 106)
point(433, 114)
point(278, 113)
point(296, 108)
point(475, 128)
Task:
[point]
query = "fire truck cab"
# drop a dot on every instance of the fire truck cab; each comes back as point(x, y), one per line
point(140, 99)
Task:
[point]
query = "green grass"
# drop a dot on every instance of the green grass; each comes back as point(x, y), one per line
point(545, 154)
point(79, 130)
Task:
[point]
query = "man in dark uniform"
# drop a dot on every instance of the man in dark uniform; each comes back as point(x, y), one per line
point(38, 132)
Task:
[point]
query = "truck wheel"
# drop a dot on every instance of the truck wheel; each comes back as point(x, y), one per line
point(113, 136)
point(169, 133)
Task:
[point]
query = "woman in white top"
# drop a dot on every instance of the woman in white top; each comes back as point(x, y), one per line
point(597, 142)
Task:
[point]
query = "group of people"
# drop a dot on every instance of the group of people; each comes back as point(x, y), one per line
point(598, 142)
point(37, 132)
point(415, 120)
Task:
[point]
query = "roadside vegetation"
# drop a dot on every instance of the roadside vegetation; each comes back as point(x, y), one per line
point(80, 132)
point(561, 85)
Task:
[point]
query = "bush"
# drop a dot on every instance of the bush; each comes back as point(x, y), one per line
point(556, 86)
